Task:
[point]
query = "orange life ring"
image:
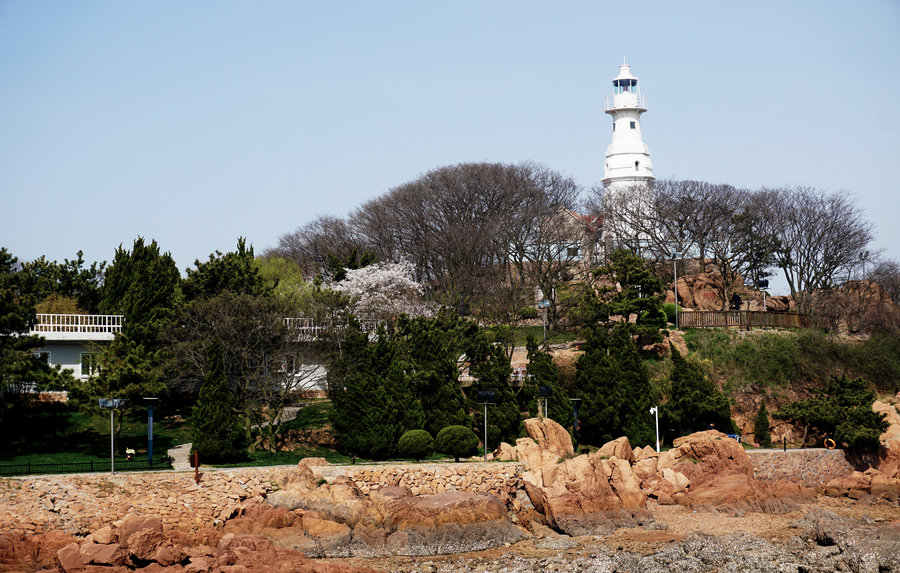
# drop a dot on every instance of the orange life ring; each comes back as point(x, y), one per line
point(829, 443)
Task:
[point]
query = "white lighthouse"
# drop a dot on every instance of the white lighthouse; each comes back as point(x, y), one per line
point(627, 156)
point(628, 171)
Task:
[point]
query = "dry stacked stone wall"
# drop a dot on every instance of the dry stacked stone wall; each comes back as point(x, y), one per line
point(808, 467)
point(499, 479)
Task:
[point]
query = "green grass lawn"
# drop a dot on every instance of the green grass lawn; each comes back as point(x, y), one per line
point(58, 433)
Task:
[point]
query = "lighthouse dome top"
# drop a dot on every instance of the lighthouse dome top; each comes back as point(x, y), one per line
point(624, 74)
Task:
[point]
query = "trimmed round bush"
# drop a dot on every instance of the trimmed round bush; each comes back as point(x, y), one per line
point(670, 309)
point(416, 444)
point(456, 441)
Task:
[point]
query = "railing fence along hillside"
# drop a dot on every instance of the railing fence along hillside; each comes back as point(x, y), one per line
point(29, 468)
point(743, 319)
point(307, 328)
point(80, 323)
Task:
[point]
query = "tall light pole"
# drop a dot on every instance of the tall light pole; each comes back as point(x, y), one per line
point(112, 404)
point(675, 256)
point(485, 397)
point(150, 402)
point(544, 393)
point(655, 410)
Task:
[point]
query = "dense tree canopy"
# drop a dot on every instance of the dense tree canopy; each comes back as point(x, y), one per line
point(614, 388)
point(374, 402)
point(142, 284)
point(21, 371)
point(694, 403)
point(235, 271)
point(217, 433)
point(472, 232)
point(70, 280)
point(841, 411)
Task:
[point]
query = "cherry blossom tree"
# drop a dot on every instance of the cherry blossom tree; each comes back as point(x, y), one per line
point(383, 291)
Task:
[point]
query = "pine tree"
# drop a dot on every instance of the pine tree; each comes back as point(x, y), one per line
point(694, 402)
point(614, 389)
point(217, 433)
point(761, 429)
point(142, 284)
point(843, 410)
point(640, 293)
point(235, 272)
point(489, 365)
point(374, 404)
point(428, 349)
point(19, 367)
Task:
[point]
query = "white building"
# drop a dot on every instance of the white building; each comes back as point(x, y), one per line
point(72, 341)
point(628, 171)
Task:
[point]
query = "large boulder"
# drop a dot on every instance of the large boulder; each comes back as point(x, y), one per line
point(339, 520)
point(889, 462)
point(450, 522)
point(618, 448)
point(550, 436)
point(579, 495)
point(339, 501)
point(706, 456)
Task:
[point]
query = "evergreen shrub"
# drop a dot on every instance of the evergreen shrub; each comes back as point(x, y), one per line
point(416, 444)
point(456, 441)
point(217, 432)
point(761, 431)
point(670, 309)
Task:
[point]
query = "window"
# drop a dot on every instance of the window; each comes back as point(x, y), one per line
point(633, 125)
point(636, 165)
point(43, 356)
point(572, 252)
point(614, 126)
point(90, 364)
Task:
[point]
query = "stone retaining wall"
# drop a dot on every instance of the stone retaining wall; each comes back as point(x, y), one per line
point(500, 479)
point(79, 504)
point(808, 467)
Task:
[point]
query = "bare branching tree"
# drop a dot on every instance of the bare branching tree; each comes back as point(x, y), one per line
point(722, 236)
point(821, 238)
point(317, 244)
point(269, 361)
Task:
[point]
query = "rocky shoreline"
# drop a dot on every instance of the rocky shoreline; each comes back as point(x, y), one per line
point(696, 507)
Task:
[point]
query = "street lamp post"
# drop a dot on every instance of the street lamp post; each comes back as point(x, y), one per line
point(485, 397)
point(763, 284)
point(544, 304)
point(112, 404)
point(150, 402)
point(655, 410)
point(544, 393)
point(675, 256)
point(575, 402)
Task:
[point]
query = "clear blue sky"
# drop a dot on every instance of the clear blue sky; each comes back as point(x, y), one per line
point(194, 123)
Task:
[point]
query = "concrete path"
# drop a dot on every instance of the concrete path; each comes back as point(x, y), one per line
point(181, 457)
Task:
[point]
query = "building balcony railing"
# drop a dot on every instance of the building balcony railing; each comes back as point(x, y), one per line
point(626, 101)
point(77, 325)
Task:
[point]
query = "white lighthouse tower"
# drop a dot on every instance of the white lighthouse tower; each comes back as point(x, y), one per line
point(627, 156)
point(628, 171)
